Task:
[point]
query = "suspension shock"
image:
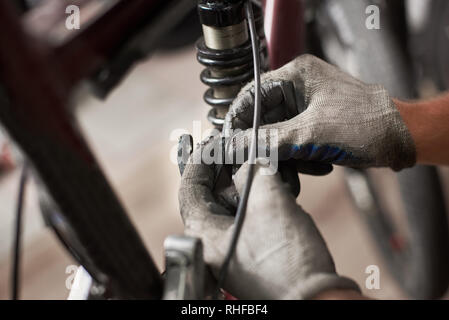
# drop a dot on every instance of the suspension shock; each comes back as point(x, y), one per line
point(225, 51)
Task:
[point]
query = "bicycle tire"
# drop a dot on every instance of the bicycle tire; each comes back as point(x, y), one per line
point(423, 272)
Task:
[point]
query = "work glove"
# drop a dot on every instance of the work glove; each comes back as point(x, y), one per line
point(319, 113)
point(280, 253)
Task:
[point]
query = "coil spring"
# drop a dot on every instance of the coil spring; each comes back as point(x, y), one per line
point(230, 68)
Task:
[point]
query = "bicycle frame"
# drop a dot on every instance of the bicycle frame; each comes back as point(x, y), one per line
point(284, 21)
point(38, 77)
point(39, 74)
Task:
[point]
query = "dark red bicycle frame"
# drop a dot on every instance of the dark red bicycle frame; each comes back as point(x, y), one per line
point(284, 30)
point(38, 78)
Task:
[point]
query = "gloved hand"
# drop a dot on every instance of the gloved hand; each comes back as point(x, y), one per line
point(322, 114)
point(280, 253)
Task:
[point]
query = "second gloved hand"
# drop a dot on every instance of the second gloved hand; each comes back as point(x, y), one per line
point(318, 113)
point(280, 253)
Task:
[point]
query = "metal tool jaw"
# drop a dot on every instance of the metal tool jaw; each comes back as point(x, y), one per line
point(185, 268)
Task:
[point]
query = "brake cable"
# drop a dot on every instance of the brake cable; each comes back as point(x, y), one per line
point(241, 208)
point(15, 274)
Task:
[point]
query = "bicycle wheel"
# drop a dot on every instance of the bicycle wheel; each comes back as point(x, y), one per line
point(419, 262)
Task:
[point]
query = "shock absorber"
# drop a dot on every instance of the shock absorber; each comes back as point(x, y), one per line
point(226, 52)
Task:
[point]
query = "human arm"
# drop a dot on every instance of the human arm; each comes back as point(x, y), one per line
point(428, 123)
point(315, 112)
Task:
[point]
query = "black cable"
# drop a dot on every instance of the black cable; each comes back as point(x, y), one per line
point(241, 208)
point(15, 276)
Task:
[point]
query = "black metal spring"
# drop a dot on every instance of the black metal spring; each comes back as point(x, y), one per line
point(235, 67)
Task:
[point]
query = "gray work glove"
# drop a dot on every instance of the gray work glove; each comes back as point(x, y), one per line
point(322, 114)
point(280, 253)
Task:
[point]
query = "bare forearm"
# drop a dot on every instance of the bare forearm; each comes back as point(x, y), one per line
point(428, 122)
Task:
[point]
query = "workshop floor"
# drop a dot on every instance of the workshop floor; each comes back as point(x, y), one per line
point(133, 134)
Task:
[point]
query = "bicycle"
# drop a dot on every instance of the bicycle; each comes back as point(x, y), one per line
point(76, 199)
